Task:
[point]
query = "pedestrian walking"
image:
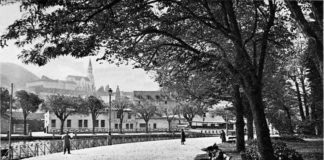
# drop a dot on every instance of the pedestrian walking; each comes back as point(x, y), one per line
point(66, 143)
point(183, 137)
point(223, 136)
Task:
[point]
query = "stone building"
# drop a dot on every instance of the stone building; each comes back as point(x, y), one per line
point(72, 85)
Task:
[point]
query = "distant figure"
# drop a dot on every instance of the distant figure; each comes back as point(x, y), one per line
point(183, 137)
point(66, 142)
point(223, 136)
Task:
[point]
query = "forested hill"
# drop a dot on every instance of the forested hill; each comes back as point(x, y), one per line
point(13, 73)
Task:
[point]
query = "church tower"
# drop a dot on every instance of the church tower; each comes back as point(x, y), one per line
point(117, 94)
point(90, 76)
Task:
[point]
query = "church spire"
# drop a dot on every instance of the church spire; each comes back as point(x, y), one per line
point(90, 76)
point(117, 93)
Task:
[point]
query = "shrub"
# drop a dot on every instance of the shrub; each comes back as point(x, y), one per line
point(281, 152)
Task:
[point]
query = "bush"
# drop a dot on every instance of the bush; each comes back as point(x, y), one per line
point(281, 152)
point(306, 127)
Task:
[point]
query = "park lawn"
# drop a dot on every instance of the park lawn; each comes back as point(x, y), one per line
point(310, 150)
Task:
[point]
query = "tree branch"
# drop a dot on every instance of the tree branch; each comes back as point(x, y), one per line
point(264, 43)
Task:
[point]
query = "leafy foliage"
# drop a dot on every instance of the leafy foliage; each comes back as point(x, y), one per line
point(145, 110)
point(28, 102)
point(154, 33)
point(63, 106)
point(5, 100)
point(190, 109)
point(169, 111)
point(121, 105)
point(94, 106)
point(281, 152)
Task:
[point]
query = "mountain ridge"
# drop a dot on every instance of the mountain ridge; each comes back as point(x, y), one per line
point(16, 74)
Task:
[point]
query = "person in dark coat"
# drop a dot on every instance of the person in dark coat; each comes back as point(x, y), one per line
point(66, 143)
point(223, 136)
point(183, 137)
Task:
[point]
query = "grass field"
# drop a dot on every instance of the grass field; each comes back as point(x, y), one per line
point(310, 150)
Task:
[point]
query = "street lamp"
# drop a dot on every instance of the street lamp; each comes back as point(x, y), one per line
point(109, 132)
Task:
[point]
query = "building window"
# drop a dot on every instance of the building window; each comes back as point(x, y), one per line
point(154, 125)
point(127, 126)
point(53, 123)
point(129, 115)
point(116, 126)
point(102, 123)
point(96, 123)
point(68, 123)
point(85, 123)
point(142, 125)
point(131, 126)
point(80, 123)
point(212, 125)
point(119, 114)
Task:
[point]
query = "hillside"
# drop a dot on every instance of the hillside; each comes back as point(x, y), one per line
point(13, 73)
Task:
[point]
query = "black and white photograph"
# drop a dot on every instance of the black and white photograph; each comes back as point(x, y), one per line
point(161, 79)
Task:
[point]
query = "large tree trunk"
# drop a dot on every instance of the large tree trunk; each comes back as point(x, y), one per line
point(265, 148)
point(291, 128)
point(121, 124)
point(25, 124)
point(93, 116)
point(146, 127)
point(169, 123)
point(62, 126)
point(302, 80)
point(249, 118)
point(301, 110)
point(190, 123)
point(240, 143)
point(249, 126)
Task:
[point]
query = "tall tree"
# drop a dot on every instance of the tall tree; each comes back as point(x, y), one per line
point(95, 107)
point(5, 100)
point(169, 111)
point(121, 106)
point(190, 109)
point(132, 30)
point(145, 110)
point(29, 103)
point(302, 79)
point(63, 106)
point(312, 28)
point(238, 104)
point(316, 94)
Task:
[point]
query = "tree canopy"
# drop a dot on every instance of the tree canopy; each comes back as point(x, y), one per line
point(239, 36)
point(63, 106)
point(28, 102)
point(5, 100)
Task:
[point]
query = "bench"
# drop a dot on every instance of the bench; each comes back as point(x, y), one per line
point(231, 139)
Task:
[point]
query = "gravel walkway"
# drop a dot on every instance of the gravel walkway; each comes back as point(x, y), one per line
point(153, 150)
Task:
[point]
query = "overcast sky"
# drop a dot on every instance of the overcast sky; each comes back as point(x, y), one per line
point(127, 78)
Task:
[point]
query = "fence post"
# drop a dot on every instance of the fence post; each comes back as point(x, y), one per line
point(36, 150)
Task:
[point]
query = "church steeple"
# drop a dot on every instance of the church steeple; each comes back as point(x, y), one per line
point(117, 93)
point(90, 76)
